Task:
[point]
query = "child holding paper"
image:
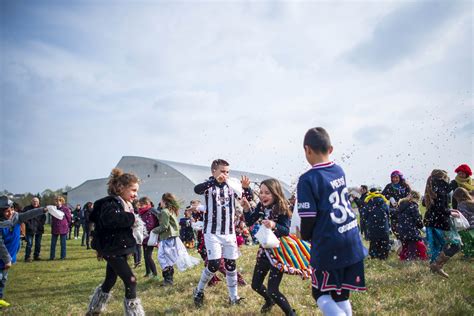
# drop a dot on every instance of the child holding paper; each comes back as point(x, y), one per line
point(275, 214)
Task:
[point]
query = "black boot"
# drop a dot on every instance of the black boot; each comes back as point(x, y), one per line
point(171, 273)
point(167, 277)
point(164, 274)
point(292, 313)
point(267, 307)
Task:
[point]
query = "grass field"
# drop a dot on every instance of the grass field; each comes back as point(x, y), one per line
point(394, 288)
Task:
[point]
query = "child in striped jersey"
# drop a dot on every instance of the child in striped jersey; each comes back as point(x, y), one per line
point(219, 229)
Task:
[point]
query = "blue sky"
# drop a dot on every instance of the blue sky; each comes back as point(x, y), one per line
point(85, 83)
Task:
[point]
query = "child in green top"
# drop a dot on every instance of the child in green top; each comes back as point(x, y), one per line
point(171, 250)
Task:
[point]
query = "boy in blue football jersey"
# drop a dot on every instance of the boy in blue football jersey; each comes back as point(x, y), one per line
point(337, 253)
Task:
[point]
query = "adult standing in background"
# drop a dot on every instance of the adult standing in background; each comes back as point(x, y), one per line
point(397, 189)
point(60, 228)
point(360, 202)
point(34, 231)
point(76, 220)
point(86, 212)
point(462, 180)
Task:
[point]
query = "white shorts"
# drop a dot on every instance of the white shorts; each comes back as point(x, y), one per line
point(221, 246)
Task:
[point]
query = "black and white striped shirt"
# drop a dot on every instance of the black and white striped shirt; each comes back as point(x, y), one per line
point(220, 206)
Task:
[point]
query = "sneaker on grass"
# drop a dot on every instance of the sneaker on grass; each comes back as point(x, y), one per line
point(4, 303)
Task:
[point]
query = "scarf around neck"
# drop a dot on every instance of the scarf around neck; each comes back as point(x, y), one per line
point(373, 195)
point(465, 183)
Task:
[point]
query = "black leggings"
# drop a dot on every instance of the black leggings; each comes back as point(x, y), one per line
point(118, 266)
point(262, 267)
point(149, 263)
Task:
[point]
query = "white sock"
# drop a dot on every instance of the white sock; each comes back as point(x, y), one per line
point(346, 307)
point(329, 307)
point(206, 276)
point(231, 278)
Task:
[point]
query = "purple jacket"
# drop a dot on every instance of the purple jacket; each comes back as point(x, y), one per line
point(149, 219)
point(61, 227)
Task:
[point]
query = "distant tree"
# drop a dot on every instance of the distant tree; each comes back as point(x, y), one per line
point(46, 197)
point(47, 192)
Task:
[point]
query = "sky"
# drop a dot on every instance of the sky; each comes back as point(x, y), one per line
point(84, 83)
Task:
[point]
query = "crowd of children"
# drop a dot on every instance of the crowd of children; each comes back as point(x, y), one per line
point(121, 225)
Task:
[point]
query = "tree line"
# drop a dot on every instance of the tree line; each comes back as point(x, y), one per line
point(46, 197)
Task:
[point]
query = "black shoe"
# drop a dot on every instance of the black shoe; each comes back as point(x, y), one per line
point(198, 298)
point(37, 259)
point(167, 283)
point(267, 307)
point(28, 260)
point(237, 301)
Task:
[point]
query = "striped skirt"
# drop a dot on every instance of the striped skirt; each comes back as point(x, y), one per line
point(292, 257)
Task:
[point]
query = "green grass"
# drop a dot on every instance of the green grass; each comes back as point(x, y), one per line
point(394, 288)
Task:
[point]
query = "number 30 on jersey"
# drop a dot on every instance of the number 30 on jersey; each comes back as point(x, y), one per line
point(340, 203)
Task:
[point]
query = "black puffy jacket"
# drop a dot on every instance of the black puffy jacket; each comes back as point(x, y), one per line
point(376, 218)
point(113, 227)
point(409, 221)
point(437, 215)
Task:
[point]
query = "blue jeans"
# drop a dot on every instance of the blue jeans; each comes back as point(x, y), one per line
point(54, 239)
point(29, 245)
point(3, 281)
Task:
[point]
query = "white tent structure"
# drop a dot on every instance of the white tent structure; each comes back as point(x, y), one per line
point(157, 177)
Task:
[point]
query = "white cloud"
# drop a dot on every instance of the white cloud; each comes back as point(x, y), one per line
point(192, 81)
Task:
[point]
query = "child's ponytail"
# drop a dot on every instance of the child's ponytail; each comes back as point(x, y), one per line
point(118, 180)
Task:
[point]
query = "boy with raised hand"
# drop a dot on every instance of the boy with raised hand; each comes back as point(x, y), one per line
point(10, 238)
point(337, 253)
point(219, 229)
